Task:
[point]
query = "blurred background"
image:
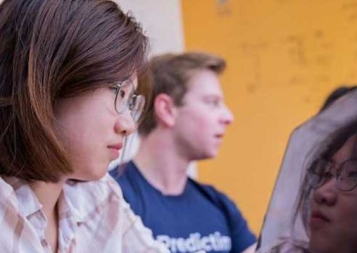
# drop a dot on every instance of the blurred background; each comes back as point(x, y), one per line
point(284, 57)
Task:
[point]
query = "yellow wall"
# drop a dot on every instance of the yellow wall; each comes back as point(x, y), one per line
point(284, 57)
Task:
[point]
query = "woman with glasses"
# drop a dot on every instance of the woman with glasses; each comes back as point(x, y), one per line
point(68, 99)
point(324, 219)
point(328, 201)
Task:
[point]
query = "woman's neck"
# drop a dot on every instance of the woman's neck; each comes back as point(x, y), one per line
point(48, 195)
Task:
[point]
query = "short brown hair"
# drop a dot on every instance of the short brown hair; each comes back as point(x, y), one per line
point(170, 74)
point(51, 49)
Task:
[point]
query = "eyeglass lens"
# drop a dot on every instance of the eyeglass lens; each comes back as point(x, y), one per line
point(346, 174)
point(126, 100)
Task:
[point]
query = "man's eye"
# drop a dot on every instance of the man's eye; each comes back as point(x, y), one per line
point(214, 103)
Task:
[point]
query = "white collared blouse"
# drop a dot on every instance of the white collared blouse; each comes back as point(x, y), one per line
point(93, 217)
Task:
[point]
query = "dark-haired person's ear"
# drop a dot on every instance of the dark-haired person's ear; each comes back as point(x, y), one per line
point(165, 110)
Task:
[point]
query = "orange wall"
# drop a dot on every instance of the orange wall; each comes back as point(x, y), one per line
point(284, 57)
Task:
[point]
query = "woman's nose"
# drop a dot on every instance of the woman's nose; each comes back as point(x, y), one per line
point(125, 124)
point(327, 193)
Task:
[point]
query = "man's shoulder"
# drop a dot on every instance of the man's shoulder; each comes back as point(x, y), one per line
point(124, 172)
point(126, 176)
point(243, 237)
point(220, 200)
point(210, 191)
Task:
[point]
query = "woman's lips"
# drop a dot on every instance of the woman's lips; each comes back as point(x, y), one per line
point(318, 219)
point(114, 152)
point(117, 146)
point(114, 149)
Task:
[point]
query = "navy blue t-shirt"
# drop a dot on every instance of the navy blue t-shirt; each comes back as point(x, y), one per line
point(200, 219)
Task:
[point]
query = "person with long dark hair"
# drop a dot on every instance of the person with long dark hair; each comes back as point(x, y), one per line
point(68, 98)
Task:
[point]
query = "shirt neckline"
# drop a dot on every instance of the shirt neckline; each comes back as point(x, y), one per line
point(138, 173)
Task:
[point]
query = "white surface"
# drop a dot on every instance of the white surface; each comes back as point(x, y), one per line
point(161, 21)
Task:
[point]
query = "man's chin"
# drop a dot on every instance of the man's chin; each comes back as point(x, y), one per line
point(206, 155)
point(213, 153)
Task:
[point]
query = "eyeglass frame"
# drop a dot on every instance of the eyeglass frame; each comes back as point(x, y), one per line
point(129, 104)
point(338, 169)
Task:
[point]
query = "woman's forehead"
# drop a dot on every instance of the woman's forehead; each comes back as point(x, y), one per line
point(346, 151)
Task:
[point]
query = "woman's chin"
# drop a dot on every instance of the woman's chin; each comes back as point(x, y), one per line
point(93, 175)
point(319, 245)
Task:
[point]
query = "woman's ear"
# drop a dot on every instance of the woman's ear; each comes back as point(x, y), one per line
point(165, 110)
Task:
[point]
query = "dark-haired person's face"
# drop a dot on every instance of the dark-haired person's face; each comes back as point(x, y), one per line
point(92, 131)
point(202, 119)
point(333, 220)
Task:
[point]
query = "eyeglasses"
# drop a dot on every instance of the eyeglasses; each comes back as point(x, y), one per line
point(323, 171)
point(126, 99)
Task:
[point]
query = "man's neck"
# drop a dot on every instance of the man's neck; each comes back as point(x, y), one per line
point(162, 165)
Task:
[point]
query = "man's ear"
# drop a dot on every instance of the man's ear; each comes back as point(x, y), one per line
point(165, 110)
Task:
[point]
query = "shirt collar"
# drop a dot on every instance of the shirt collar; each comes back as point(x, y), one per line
point(27, 201)
point(81, 199)
point(77, 201)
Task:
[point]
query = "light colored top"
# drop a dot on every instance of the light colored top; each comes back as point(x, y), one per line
point(93, 217)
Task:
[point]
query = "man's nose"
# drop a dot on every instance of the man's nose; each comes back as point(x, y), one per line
point(227, 116)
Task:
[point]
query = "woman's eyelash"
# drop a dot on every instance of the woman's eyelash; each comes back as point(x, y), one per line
point(113, 89)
